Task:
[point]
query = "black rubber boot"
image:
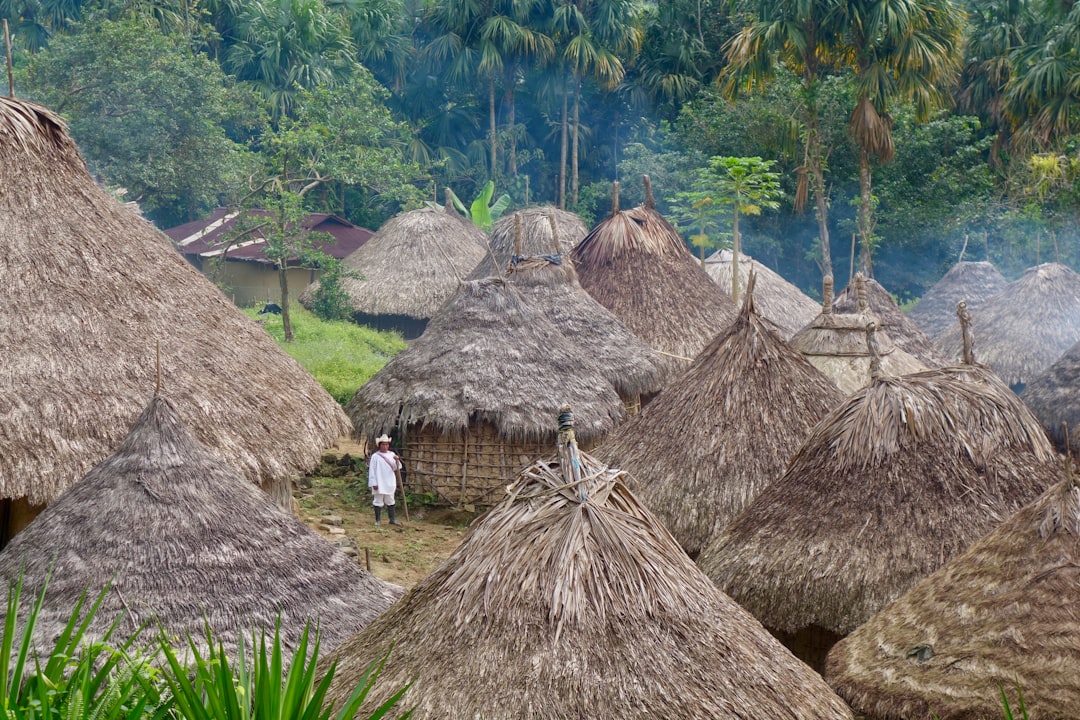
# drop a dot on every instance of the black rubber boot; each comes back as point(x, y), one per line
point(390, 512)
point(378, 515)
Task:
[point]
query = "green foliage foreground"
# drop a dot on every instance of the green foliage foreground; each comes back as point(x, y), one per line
point(341, 355)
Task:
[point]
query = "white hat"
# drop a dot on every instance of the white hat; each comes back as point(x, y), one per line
point(384, 438)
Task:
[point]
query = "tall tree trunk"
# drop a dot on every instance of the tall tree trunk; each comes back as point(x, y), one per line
point(736, 247)
point(511, 120)
point(865, 213)
point(492, 128)
point(283, 283)
point(575, 136)
point(821, 204)
point(562, 150)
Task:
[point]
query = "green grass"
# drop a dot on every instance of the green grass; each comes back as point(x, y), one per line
point(341, 355)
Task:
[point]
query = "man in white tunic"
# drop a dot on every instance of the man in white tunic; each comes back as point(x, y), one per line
point(382, 479)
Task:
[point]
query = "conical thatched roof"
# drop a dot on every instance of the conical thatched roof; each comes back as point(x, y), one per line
point(835, 344)
point(901, 329)
point(723, 430)
point(1054, 397)
point(1001, 615)
point(554, 607)
point(413, 263)
point(92, 287)
point(974, 282)
point(635, 264)
point(902, 476)
point(1026, 327)
point(185, 541)
point(488, 356)
point(536, 238)
point(775, 298)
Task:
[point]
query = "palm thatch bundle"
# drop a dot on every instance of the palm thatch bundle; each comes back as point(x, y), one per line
point(469, 396)
point(183, 541)
point(776, 299)
point(636, 265)
point(974, 282)
point(409, 268)
point(1026, 327)
point(536, 237)
point(835, 344)
point(571, 600)
point(1001, 616)
point(901, 329)
point(724, 429)
point(93, 288)
point(901, 477)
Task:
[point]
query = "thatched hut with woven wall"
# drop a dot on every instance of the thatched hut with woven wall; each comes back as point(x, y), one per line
point(998, 618)
point(776, 299)
point(724, 429)
point(636, 265)
point(1054, 397)
point(902, 476)
point(93, 290)
point(182, 540)
point(570, 600)
point(535, 238)
point(1026, 327)
point(901, 329)
point(410, 267)
point(835, 344)
point(469, 397)
point(974, 282)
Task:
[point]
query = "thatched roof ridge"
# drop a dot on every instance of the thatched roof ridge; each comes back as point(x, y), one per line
point(905, 474)
point(636, 265)
point(184, 541)
point(999, 616)
point(776, 299)
point(974, 282)
point(413, 263)
point(721, 431)
point(901, 329)
point(536, 237)
point(555, 608)
point(1026, 327)
point(488, 356)
point(93, 288)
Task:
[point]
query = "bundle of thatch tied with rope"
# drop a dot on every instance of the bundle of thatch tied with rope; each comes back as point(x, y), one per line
point(636, 265)
point(777, 300)
point(890, 485)
point(1026, 327)
point(901, 329)
point(1000, 618)
point(93, 288)
point(835, 343)
point(723, 430)
point(529, 232)
point(469, 396)
point(181, 541)
point(410, 267)
point(973, 282)
point(570, 600)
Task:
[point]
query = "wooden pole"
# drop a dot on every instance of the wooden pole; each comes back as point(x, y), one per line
point(10, 71)
point(404, 500)
point(367, 559)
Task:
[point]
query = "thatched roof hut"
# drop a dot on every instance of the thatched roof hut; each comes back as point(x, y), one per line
point(470, 395)
point(185, 541)
point(1026, 327)
point(723, 430)
point(1001, 616)
point(535, 238)
point(92, 288)
point(410, 267)
point(901, 329)
point(835, 344)
point(902, 476)
point(571, 600)
point(974, 282)
point(1054, 397)
point(776, 299)
point(636, 265)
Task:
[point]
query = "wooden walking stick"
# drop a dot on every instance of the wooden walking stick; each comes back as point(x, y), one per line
point(404, 502)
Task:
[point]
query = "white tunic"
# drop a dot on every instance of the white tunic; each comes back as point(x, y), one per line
point(381, 478)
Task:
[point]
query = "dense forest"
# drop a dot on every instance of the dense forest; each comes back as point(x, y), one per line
point(913, 129)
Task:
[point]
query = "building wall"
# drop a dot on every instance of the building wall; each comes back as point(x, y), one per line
point(249, 283)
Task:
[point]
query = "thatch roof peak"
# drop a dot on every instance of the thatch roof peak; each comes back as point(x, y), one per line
point(974, 282)
point(1001, 616)
point(536, 237)
point(745, 379)
point(901, 329)
point(778, 300)
point(901, 476)
point(548, 594)
point(95, 286)
point(175, 531)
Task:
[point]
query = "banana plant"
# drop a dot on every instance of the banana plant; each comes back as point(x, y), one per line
point(483, 212)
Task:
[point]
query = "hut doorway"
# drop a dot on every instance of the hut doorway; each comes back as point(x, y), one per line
point(15, 515)
point(810, 644)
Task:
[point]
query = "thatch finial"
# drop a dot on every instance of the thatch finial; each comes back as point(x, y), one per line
point(614, 198)
point(449, 207)
point(967, 337)
point(874, 349)
point(748, 299)
point(860, 292)
point(650, 201)
point(554, 232)
point(569, 460)
point(827, 295)
point(157, 358)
